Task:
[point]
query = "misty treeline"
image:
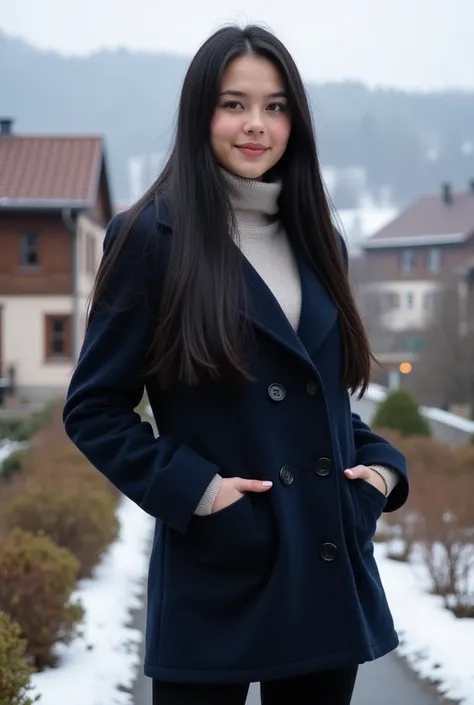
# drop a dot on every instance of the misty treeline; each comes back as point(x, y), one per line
point(407, 141)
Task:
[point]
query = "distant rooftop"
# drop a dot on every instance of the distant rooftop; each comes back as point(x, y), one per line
point(48, 171)
point(442, 219)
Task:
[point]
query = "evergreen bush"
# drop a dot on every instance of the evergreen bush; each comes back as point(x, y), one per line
point(399, 412)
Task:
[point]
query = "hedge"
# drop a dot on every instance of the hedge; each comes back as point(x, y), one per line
point(23, 428)
point(57, 517)
point(37, 579)
point(76, 515)
point(14, 671)
point(12, 464)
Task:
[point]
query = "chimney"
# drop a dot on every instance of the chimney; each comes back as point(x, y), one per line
point(6, 127)
point(447, 194)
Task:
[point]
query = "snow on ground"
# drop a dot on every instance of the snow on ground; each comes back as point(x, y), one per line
point(7, 448)
point(105, 657)
point(436, 644)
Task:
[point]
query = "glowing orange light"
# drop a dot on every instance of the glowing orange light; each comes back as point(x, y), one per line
point(405, 368)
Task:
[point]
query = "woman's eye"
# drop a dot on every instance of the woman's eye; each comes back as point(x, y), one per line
point(232, 105)
point(277, 107)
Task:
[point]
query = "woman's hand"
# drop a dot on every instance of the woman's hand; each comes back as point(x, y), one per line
point(362, 472)
point(233, 488)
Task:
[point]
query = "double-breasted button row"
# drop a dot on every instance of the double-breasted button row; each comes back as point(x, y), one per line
point(277, 392)
point(322, 468)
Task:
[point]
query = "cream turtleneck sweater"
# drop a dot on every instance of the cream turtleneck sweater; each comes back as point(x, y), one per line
point(264, 243)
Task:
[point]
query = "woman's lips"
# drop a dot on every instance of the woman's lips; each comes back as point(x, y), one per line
point(249, 151)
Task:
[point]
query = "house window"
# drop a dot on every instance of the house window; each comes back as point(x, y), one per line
point(410, 299)
point(434, 260)
point(29, 250)
point(389, 300)
point(394, 300)
point(407, 261)
point(431, 300)
point(58, 336)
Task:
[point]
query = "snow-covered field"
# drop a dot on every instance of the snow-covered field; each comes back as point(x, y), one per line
point(436, 644)
point(102, 664)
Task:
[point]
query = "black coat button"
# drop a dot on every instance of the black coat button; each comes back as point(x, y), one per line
point(329, 552)
point(286, 475)
point(323, 467)
point(276, 392)
point(311, 389)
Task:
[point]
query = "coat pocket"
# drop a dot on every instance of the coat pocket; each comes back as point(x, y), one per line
point(370, 503)
point(242, 533)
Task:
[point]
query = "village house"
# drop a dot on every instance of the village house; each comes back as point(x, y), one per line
point(407, 265)
point(55, 203)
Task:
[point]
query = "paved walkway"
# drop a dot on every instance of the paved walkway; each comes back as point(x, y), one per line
point(387, 681)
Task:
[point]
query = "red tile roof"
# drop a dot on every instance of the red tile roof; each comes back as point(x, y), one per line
point(430, 218)
point(49, 170)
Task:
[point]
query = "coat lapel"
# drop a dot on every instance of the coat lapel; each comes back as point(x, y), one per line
point(259, 305)
point(262, 309)
point(318, 312)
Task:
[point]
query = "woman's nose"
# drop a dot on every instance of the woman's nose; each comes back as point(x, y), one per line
point(255, 122)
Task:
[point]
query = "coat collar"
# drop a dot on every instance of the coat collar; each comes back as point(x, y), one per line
point(318, 312)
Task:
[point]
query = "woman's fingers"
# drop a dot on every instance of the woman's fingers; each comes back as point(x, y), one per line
point(244, 485)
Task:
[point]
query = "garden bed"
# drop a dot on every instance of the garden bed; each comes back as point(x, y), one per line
point(73, 554)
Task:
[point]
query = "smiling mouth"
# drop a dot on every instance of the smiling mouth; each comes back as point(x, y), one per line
point(252, 150)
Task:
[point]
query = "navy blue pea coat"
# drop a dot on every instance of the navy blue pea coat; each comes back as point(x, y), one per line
point(277, 584)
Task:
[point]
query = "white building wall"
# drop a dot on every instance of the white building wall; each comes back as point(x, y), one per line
point(24, 342)
point(23, 319)
point(413, 310)
point(85, 228)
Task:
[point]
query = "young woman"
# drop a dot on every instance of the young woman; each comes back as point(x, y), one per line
point(224, 294)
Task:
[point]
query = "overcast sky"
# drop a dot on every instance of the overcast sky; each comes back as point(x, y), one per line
point(408, 43)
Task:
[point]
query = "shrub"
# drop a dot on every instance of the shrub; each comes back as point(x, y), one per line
point(400, 412)
point(12, 464)
point(23, 428)
point(36, 582)
point(14, 671)
point(76, 515)
point(14, 429)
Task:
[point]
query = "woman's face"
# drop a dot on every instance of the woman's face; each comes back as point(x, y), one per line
point(251, 125)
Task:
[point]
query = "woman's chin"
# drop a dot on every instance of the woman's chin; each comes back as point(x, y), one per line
point(248, 171)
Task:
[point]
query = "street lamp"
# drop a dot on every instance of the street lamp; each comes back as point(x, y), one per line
point(404, 368)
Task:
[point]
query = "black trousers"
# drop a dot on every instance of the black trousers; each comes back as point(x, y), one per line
point(322, 688)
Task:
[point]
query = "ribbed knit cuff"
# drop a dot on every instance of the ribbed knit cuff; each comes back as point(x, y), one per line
point(389, 476)
point(204, 508)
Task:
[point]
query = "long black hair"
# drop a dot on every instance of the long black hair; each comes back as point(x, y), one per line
point(199, 330)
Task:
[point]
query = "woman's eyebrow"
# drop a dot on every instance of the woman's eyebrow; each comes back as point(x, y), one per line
point(242, 94)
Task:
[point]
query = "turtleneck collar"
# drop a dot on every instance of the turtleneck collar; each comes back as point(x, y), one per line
point(257, 198)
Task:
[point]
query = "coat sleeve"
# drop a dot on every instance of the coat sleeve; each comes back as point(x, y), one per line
point(165, 478)
point(372, 449)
